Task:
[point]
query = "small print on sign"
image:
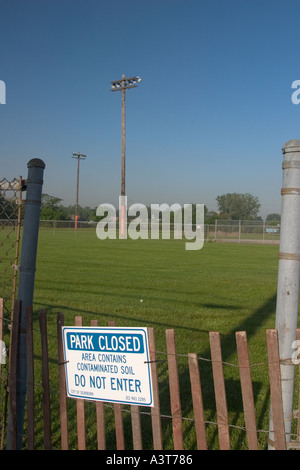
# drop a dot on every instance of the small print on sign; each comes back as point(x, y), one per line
point(108, 364)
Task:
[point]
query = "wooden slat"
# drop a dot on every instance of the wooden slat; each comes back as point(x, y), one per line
point(3, 418)
point(100, 416)
point(174, 390)
point(118, 417)
point(1, 322)
point(80, 409)
point(247, 389)
point(12, 425)
point(119, 426)
point(45, 381)
point(137, 440)
point(155, 410)
point(1, 318)
point(136, 427)
point(275, 389)
point(30, 379)
point(197, 402)
point(220, 393)
point(62, 386)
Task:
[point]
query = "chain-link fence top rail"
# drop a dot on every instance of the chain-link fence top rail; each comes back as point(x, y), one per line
point(10, 223)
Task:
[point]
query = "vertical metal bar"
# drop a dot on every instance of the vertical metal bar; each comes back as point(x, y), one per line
point(174, 391)
point(288, 276)
point(123, 160)
point(77, 188)
point(247, 389)
point(45, 381)
point(62, 386)
point(123, 137)
point(34, 185)
point(79, 156)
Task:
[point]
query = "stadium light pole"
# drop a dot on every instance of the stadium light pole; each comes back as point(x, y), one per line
point(123, 85)
point(78, 156)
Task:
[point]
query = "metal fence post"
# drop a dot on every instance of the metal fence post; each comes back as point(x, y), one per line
point(288, 278)
point(34, 185)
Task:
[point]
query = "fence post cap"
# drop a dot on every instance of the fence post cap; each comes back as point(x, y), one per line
point(36, 162)
point(291, 146)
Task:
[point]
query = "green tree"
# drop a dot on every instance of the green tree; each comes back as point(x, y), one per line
point(84, 213)
point(237, 206)
point(51, 208)
point(272, 219)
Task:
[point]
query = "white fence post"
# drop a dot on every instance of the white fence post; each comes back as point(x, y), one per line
point(288, 278)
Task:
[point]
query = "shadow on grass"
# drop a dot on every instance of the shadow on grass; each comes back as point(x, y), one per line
point(232, 384)
point(233, 391)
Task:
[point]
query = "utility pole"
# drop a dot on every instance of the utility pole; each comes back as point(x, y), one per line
point(123, 85)
point(78, 156)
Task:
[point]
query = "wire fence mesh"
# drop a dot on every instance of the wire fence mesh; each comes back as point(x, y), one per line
point(10, 236)
point(10, 232)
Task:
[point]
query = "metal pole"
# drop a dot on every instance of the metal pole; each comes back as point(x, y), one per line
point(34, 185)
point(77, 187)
point(288, 278)
point(123, 85)
point(123, 159)
point(123, 136)
point(79, 156)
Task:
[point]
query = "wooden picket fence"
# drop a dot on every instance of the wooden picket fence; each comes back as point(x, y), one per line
point(174, 387)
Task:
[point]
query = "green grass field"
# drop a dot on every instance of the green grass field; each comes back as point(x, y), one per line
point(223, 287)
point(220, 287)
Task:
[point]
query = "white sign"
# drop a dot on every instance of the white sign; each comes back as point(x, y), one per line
point(108, 364)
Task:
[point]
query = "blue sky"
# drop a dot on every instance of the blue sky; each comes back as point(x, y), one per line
point(210, 116)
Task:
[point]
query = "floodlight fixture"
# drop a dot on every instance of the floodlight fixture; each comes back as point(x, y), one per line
point(125, 83)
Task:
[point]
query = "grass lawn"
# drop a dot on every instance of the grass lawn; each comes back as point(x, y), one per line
point(223, 287)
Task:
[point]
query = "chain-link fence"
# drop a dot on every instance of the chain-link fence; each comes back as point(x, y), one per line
point(10, 231)
point(239, 231)
point(247, 231)
point(10, 234)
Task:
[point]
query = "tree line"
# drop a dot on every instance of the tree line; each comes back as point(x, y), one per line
point(231, 206)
